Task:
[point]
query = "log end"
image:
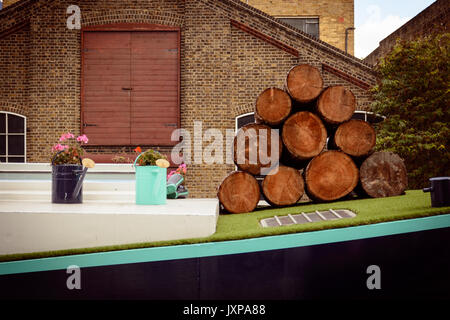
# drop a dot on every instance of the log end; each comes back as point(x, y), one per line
point(331, 176)
point(273, 106)
point(284, 186)
point(252, 148)
point(239, 192)
point(304, 135)
point(355, 137)
point(304, 83)
point(383, 174)
point(336, 104)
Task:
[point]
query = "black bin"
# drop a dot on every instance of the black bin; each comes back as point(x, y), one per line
point(440, 191)
point(64, 180)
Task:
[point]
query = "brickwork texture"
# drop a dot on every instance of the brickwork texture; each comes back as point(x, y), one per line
point(334, 16)
point(223, 68)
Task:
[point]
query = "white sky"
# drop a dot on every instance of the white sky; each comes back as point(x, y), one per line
point(376, 19)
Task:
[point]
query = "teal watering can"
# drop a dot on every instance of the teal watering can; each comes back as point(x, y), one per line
point(150, 184)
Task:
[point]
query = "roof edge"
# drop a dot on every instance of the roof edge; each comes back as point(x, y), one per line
point(320, 43)
point(21, 3)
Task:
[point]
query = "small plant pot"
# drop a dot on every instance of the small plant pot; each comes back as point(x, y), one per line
point(64, 181)
point(150, 185)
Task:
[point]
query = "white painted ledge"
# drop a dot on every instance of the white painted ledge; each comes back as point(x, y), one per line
point(29, 222)
point(27, 227)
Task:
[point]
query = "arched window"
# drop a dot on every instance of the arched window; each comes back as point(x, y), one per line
point(12, 137)
point(244, 119)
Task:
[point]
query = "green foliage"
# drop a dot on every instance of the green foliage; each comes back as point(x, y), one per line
point(413, 94)
point(149, 157)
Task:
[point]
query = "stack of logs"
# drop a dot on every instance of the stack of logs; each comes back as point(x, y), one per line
point(311, 119)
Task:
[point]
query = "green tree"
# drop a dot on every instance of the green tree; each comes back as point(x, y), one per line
point(413, 94)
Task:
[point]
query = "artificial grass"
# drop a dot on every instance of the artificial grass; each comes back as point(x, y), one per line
point(414, 204)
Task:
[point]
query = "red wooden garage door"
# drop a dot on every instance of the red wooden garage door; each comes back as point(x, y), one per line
point(130, 87)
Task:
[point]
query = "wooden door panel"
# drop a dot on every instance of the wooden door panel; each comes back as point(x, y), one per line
point(155, 80)
point(106, 73)
point(130, 87)
point(107, 40)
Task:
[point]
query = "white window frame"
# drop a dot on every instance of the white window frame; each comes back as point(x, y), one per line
point(24, 134)
point(241, 116)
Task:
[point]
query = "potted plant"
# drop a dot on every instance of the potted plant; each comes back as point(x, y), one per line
point(67, 169)
point(151, 170)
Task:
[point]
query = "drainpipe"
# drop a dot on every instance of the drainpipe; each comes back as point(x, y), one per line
point(346, 37)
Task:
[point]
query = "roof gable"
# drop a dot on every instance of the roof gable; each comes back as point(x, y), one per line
point(235, 10)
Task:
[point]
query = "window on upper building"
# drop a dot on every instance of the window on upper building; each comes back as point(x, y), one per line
point(12, 137)
point(308, 25)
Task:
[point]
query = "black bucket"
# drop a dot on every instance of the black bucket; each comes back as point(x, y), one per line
point(440, 191)
point(64, 181)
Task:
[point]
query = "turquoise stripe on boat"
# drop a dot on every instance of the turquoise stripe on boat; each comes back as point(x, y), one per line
point(226, 247)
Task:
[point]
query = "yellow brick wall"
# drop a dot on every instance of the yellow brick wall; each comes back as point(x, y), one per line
point(334, 16)
point(8, 2)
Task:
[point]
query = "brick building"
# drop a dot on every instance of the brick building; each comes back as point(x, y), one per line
point(220, 54)
point(434, 18)
point(328, 20)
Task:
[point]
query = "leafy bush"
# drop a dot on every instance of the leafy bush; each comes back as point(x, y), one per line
point(413, 94)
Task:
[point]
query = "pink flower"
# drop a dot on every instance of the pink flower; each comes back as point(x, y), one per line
point(83, 139)
point(66, 136)
point(59, 147)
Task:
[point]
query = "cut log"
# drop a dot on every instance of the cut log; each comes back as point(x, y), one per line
point(383, 174)
point(354, 137)
point(304, 135)
point(283, 188)
point(272, 107)
point(252, 148)
point(330, 176)
point(336, 104)
point(239, 192)
point(304, 83)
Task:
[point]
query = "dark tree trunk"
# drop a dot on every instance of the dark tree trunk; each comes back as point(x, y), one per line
point(383, 174)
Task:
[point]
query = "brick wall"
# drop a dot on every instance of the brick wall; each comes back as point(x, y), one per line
point(14, 66)
point(223, 68)
point(334, 16)
point(435, 18)
point(8, 2)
